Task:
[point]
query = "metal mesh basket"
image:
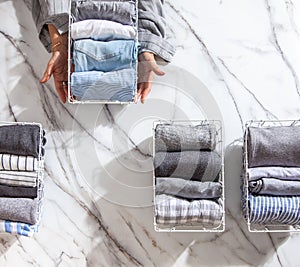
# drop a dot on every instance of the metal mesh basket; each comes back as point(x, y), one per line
point(192, 227)
point(71, 99)
point(245, 195)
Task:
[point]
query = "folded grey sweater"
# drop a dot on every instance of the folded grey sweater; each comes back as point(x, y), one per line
point(19, 139)
point(200, 166)
point(185, 137)
point(274, 146)
point(188, 189)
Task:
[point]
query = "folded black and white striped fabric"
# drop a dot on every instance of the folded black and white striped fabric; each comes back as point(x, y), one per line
point(9, 162)
point(177, 211)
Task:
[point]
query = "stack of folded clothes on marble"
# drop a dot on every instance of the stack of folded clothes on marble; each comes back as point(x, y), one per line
point(21, 184)
point(274, 175)
point(187, 170)
point(104, 37)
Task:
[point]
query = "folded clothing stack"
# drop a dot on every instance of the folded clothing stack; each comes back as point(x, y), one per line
point(21, 184)
point(187, 171)
point(104, 37)
point(274, 175)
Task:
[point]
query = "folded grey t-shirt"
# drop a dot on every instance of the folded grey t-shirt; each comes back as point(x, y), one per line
point(274, 146)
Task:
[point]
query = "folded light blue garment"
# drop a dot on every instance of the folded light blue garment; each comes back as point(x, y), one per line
point(90, 55)
point(112, 86)
point(274, 210)
point(19, 228)
point(119, 11)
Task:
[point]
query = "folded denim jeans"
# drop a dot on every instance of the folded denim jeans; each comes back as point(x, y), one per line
point(90, 55)
point(119, 11)
point(274, 146)
point(110, 86)
point(102, 30)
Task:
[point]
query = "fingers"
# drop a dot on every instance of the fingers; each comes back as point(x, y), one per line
point(48, 72)
point(145, 92)
point(156, 69)
point(61, 90)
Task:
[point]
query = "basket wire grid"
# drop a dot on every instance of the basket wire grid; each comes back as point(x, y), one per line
point(71, 100)
point(256, 228)
point(193, 227)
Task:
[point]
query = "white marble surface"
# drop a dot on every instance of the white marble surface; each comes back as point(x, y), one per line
point(235, 61)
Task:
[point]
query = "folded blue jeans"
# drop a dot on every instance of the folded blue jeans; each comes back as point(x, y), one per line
point(90, 55)
point(102, 86)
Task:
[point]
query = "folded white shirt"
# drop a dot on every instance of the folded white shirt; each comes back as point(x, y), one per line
point(102, 30)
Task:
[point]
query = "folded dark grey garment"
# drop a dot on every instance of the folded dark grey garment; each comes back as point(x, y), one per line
point(188, 189)
point(275, 187)
point(185, 137)
point(195, 165)
point(274, 146)
point(118, 11)
point(18, 191)
point(23, 140)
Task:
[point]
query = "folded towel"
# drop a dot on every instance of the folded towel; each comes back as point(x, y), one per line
point(185, 137)
point(283, 173)
point(119, 11)
point(274, 210)
point(176, 211)
point(188, 189)
point(19, 139)
point(14, 178)
point(18, 191)
point(199, 166)
point(274, 146)
point(101, 30)
point(9, 162)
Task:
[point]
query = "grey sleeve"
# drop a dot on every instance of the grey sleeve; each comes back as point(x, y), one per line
point(152, 29)
point(46, 12)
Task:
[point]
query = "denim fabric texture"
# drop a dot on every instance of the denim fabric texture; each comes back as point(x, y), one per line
point(90, 55)
point(113, 86)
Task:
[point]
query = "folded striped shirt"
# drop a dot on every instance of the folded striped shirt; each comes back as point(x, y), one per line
point(172, 210)
point(274, 210)
point(9, 162)
point(15, 178)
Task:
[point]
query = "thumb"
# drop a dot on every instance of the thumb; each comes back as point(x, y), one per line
point(48, 73)
point(157, 70)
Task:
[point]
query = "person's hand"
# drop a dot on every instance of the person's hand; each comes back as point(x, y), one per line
point(146, 68)
point(58, 63)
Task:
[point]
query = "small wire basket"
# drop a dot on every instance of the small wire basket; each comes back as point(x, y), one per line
point(193, 227)
point(71, 99)
point(254, 227)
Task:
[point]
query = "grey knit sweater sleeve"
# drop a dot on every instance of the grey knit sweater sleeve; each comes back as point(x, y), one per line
point(153, 29)
point(151, 24)
point(50, 12)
